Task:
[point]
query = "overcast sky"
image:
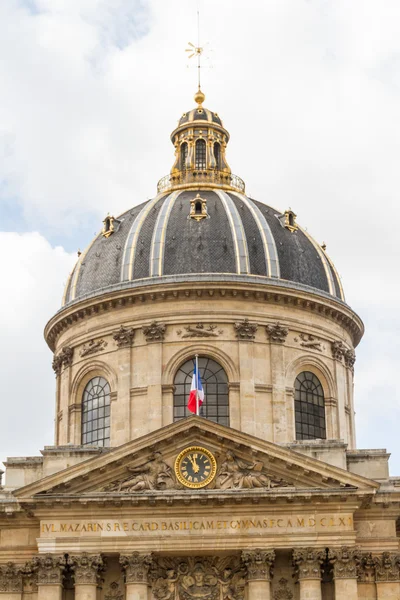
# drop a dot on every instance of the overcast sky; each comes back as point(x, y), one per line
point(89, 93)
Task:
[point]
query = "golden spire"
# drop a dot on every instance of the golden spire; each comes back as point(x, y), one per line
point(198, 50)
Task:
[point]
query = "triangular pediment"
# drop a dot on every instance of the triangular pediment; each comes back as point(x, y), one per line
point(243, 464)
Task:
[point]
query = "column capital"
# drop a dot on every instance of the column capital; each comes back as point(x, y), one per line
point(259, 563)
point(11, 578)
point(345, 561)
point(387, 567)
point(87, 568)
point(307, 562)
point(50, 569)
point(136, 567)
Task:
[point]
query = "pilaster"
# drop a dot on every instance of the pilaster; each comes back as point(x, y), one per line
point(50, 570)
point(10, 582)
point(345, 563)
point(387, 576)
point(86, 569)
point(307, 563)
point(259, 571)
point(136, 567)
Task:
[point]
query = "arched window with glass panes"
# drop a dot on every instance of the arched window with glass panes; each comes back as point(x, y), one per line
point(184, 154)
point(200, 160)
point(96, 413)
point(215, 386)
point(217, 155)
point(309, 404)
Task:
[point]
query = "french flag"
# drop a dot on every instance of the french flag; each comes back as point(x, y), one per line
point(196, 387)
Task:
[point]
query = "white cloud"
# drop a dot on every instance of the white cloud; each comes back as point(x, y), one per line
point(308, 89)
point(33, 275)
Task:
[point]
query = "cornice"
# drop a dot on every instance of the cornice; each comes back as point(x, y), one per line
point(164, 289)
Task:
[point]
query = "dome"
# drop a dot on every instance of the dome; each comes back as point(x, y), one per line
point(202, 234)
point(202, 226)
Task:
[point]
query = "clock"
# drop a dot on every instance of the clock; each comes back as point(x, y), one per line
point(195, 467)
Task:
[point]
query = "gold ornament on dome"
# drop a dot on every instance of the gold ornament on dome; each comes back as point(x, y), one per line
point(195, 467)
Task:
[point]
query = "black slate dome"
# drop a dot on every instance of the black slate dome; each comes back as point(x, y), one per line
point(237, 238)
point(201, 226)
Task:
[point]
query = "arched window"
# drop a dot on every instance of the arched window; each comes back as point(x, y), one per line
point(215, 385)
point(201, 162)
point(198, 208)
point(217, 155)
point(309, 403)
point(184, 153)
point(96, 413)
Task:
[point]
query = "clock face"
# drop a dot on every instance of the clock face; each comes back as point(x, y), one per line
point(195, 467)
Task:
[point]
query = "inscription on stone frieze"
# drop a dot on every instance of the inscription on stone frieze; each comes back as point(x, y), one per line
point(268, 524)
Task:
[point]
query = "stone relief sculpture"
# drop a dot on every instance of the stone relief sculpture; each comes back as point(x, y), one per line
point(277, 333)
point(92, 347)
point(200, 331)
point(245, 330)
point(198, 578)
point(114, 592)
point(155, 332)
point(154, 474)
point(236, 473)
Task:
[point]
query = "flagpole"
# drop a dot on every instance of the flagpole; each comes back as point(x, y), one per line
point(197, 384)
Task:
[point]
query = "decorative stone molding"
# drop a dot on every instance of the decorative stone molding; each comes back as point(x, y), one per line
point(259, 563)
point(349, 358)
point(87, 568)
point(136, 567)
point(10, 578)
point(124, 337)
point(345, 561)
point(283, 592)
point(154, 474)
point(366, 569)
point(64, 359)
point(155, 332)
point(245, 330)
point(311, 342)
point(307, 562)
point(277, 333)
point(50, 569)
point(200, 331)
point(387, 567)
point(92, 347)
point(114, 592)
point(338, 350)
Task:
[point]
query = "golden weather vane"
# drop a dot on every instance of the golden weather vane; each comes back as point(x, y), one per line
point(197, 50)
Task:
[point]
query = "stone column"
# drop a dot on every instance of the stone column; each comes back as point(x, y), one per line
point(345, 562)
point(259, 564)
point(136, 568)
point(86, 569)
point(387, 576)
point(50, 571)
point(10, 582)
point(307, 562)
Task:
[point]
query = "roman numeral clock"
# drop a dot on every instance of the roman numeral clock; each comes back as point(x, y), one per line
point(195, 467)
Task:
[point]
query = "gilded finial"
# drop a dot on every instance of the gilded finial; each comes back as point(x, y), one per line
point(199, 97)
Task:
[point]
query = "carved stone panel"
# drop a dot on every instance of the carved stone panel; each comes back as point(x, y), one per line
point(235, 473)
point(10, 578)
point(283, 592)
point(200, 331)
point(154, 474)
point(114, 592)
point(92, 347)
point(387, 567)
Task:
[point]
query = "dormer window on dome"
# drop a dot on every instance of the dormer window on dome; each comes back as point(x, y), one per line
point(198, 208)
point(289, 218)
point(200, 142)
point(110, 225)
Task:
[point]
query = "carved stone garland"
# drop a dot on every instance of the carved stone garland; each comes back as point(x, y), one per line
point(277, 333)
point(245, 330)
point(345, 562)
point(338, 350)
point(307, 562)
point(366, 569)
point(283, 592)
point(136, 567)
point(259, 563)
point(124, 337)
point(155, 332)
point(87, 568)
point(114, 592)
